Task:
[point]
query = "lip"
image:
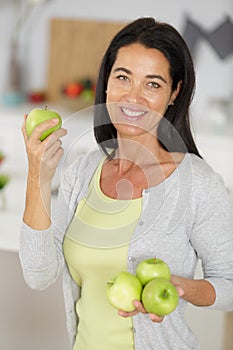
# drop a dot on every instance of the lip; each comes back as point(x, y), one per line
point(133, 113)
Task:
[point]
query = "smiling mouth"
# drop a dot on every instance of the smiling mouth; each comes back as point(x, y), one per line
point(131, 114)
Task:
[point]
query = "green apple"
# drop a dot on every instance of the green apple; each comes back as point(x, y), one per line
point(160, 297)
point(38, 116)
point(150, 268)
point(4, 179)
point(87, 95)
point(122, 290)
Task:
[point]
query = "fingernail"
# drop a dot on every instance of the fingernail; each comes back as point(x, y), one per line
point(153, 318)
point(136, 303)
point(181, 293)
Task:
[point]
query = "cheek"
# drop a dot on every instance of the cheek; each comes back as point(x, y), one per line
point(115, 90)
point(111, 108)
point(111, 94)
point(158, 104)
point(110, 97)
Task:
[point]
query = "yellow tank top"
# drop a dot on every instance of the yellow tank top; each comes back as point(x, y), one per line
point(95, 248)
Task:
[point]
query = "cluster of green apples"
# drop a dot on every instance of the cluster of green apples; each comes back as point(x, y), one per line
point(151, 285)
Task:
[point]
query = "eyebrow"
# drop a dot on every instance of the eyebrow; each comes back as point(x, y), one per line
point(149, 76)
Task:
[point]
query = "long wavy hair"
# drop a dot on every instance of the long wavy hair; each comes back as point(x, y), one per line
point(174, 130)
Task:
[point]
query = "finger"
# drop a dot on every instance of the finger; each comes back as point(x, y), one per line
point(51, 151)
point(156, 318)
point(139, 306)
point(176, 282)
point(180, 291)
point(54, 136)
point(56, 157)
point(40, 128)
point(127, 314)
point(23, 128)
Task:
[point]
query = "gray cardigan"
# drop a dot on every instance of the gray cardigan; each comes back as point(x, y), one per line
point(185, 218)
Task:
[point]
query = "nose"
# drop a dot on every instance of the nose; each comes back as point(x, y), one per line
point(134, 94)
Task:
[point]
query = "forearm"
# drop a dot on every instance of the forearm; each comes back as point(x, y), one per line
point(38, 204)
point(43, 158)
point(198, 292)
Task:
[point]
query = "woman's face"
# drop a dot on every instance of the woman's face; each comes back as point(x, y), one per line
point(139, 89)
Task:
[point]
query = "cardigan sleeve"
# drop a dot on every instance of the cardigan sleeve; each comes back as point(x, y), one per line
point(40, 252)
point(212, 238)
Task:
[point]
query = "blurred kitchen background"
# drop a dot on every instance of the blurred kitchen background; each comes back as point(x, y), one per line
point(50, 51)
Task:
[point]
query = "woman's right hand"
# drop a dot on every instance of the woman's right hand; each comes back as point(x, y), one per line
point(43, 156)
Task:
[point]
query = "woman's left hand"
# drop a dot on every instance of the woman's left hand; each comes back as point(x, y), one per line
point(139, 308)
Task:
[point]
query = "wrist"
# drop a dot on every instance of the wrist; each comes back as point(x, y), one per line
point(198, 292)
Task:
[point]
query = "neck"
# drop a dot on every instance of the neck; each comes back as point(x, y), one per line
point(132, 151)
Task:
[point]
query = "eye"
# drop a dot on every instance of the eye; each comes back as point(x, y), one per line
point(153, 85)
point(122, 77)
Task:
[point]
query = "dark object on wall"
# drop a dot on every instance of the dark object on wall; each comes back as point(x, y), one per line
point(221, 38)
point(193, 33)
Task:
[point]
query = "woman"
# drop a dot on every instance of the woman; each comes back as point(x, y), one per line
point(145, 192)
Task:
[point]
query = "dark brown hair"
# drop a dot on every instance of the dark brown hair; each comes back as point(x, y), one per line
point(174, 132)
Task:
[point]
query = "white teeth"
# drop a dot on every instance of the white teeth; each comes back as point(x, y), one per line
point(131, 113)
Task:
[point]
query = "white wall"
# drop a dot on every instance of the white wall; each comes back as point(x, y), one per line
point(214, 76)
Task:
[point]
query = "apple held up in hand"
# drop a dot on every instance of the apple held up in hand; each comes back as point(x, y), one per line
point(151, 268)
point(160, 297)
point(122, 290)
point(38, 116)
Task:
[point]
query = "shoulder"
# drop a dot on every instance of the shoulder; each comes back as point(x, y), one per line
point(207, 184)
point(202, 173)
